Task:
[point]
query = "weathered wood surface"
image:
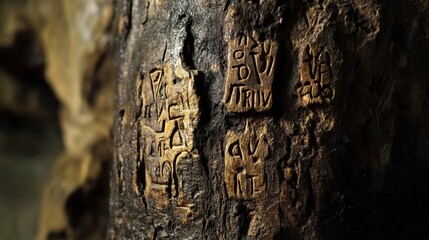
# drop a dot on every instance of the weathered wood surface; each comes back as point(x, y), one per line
point(268, 119)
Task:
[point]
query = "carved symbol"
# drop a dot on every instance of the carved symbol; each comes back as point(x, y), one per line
point(239, 54)
point(316, 76)
point(158, 85)
point(166, 170)
point(176, 138)
point(174, 111)
point(171, 114)
point(251, 65)
point(243, 72)
point(253, 145)
point(161, 147)
point(247, 41)
point(234, 149)
point(245, 156)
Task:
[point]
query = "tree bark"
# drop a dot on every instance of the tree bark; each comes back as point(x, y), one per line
point(270, 120)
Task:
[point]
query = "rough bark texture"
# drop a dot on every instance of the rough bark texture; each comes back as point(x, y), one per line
point(271, 120)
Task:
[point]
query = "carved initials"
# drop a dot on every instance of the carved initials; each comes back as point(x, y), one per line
point(251, 65)
point(158, 85)
point(171, 113)
point(245, 156)
point(316, 77)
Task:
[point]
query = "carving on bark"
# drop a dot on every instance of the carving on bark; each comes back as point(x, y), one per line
point(316, 77)
point(170, 116)
point(295, 187)
point(251, 68)
point(245, 156)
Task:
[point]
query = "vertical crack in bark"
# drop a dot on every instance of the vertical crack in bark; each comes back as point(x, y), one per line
point(187, 51)
point(125, 19)
point(165, 51)
point(226, 6)
point(119, 161)
point(146, 16)
point(139, 177)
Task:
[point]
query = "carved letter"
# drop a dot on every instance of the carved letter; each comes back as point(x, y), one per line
point(245, 155)
point(316, 77)
point(251, 64)
point(171, 114)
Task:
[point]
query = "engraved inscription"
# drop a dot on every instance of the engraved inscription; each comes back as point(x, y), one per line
point(245, 155)
point(251, 67)
point(171, 114)
point(316, 77)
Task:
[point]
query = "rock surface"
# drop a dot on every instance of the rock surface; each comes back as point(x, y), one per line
point(66, 44)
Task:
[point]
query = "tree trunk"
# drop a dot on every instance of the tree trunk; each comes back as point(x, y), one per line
point(270, 120)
